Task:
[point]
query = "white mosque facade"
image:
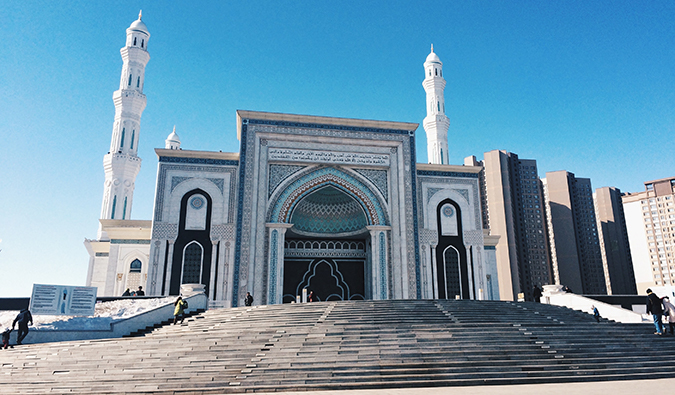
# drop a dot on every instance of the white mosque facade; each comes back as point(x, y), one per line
point(334, 205)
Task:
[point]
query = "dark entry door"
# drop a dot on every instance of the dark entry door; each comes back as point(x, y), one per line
point(329, 278)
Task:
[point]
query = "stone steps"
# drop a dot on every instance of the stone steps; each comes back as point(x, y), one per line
point(338, 345)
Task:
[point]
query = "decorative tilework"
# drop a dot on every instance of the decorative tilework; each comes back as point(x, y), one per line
point(327, 127)
point(220, 183)
point(164, 231)
point(320, 178)
point(378, 178)
point(278, 173)
point(129, 241)
point(446, 174)
point(222, 232)
point(417, 272)
point(163, 173)
point(273, 267)
point(473, 183)
point(383, 267)
point(431, 192)
point(464, 193)
point(199, 161)
point(177, 180)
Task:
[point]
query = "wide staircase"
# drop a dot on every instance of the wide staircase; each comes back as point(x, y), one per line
point(347, 345)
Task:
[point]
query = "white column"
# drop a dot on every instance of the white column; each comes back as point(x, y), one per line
point(275, 261)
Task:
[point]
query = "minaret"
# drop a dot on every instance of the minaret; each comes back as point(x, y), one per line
point(122, 164)
point(436, 123)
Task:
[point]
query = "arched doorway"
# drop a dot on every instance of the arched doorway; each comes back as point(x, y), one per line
point(451, 261)
point(326, 249)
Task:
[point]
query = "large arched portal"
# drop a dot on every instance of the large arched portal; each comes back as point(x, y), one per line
point(325, 250)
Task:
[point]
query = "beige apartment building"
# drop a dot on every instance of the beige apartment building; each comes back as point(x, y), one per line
point(650, 222)
point(573, 235)
point(512, 203)
point(614, 246)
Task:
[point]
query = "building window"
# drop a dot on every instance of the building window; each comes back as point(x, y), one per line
point(133, 135)
point(138, 82)
point(124, 213)
point(122, 139)
point(112, 216)
point(129, 80)
point(135, 266)
point(192, 263)
point(142, 42)
point(134, 41)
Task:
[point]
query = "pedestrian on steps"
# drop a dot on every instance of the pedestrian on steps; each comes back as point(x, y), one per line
point(179, 311)
point(248, 300)
point(23, 318)
point(596, 313)
point(5, 338)
point(669, 311)
point(536, 292)
point(655, 307)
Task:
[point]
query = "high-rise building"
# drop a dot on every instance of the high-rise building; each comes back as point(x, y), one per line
point(650, 222)
point(614, 247)
point(575, 248)
point(513, 208)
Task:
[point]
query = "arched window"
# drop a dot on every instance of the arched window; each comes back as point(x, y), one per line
point(133, 135)
point(192, 263)
point(112, 216)
point(135, 266)
point(134, 41)
point(129, 79)
point(436, 70)
point(122, 140)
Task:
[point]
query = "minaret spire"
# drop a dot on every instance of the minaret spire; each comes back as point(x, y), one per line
point(436, 123)
point(122, 164)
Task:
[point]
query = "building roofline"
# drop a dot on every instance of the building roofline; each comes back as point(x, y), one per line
point(313, 119)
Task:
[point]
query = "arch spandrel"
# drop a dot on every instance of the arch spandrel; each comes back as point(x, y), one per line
point(284, 204)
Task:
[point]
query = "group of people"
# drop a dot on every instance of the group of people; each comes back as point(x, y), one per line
point(24, 318)
point(138, 292)
point(658, 308)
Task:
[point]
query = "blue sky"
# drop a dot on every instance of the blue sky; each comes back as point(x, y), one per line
point(582, 86)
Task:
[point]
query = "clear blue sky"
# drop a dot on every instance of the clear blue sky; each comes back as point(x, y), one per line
point(587, 87)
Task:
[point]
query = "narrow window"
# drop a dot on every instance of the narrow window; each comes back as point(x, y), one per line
point(429, 72)
point(138, 82)
point(135, 266)
point(441, 73)
point(124, 213)
point(436, 70)
point(129, 79)
point(438, 104)
point(134, 41)
point(122, 141)
point(112, 216)
point(142, 42)
point(133, 134)
point(442, 156)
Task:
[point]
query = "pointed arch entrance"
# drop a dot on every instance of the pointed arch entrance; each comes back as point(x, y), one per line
point(323, 229)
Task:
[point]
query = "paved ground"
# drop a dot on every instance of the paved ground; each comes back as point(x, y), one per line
point(628, 387)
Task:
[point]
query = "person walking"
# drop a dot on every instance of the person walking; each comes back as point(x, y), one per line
point(179, 311)
point(248, 300)
point(669, 311)
point(596, 313)
point(536, 292)
point(311, 297)
point(23, 318)
point(5, 337)
point(655, 307)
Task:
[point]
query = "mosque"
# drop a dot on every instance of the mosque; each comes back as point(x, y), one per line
point(334, 205)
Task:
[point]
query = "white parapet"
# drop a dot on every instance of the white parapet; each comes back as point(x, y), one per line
point(555, 295)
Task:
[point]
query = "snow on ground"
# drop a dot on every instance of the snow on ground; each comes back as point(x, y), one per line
point(105, 314)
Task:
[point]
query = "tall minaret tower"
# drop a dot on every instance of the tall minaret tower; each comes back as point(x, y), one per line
point(122, 164)
point(436, 124)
